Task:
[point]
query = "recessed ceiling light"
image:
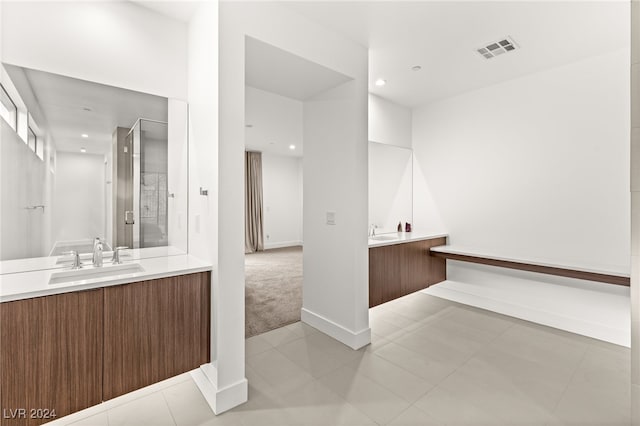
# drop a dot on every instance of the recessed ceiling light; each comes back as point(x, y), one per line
point(416, 68)
point(381, 82)
point(292, 147)
point(83, 150)
point(84, 135)
point(248, 125)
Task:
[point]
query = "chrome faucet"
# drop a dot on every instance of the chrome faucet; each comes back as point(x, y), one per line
point(76, 258)
point(372, 230)
point(97, 252)
point(116, 255)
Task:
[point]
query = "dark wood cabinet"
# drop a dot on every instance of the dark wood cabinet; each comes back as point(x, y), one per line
point(154, 330)
point(50, 356)
point(400, 269)
point(67, 352)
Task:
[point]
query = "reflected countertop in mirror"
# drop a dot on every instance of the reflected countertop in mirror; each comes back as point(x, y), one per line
point(63, 262)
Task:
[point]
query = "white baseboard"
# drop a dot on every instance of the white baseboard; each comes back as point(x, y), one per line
point(220, 400)
point(354, 340)
point(269, 246)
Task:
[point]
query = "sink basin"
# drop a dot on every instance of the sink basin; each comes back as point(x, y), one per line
point(91, 273)
point(383, 238)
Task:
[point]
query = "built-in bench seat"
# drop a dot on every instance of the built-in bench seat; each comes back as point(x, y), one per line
point(465, 254)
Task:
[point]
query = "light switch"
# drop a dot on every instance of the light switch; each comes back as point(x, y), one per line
point(331, 218)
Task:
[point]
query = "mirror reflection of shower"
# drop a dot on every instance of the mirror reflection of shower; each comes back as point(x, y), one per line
point(145, 216)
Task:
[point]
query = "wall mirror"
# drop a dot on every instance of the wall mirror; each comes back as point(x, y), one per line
point(390, 186)
point(81, 160)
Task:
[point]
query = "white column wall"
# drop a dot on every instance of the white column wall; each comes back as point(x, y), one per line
point(336, 288)
point(214, 219)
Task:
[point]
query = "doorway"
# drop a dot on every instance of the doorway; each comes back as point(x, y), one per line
point(277, 84)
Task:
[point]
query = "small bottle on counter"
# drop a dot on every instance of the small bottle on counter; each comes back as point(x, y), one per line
point(399, 226)
point(407, 227)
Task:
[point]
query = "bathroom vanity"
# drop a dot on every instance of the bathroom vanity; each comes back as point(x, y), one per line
point(400, 264)
point(66, 347)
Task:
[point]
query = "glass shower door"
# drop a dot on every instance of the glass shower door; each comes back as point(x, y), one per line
point(150, 193)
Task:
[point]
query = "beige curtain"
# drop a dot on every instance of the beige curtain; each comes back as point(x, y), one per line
point(253, 240)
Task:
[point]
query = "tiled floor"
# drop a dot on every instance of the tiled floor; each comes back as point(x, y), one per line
point(432, 362)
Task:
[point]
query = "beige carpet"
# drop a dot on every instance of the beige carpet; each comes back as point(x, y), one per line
point(273, 289)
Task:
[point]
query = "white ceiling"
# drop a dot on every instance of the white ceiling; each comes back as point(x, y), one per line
point(275, 110)
point(442, 37)
point(64, 102)
point(278, 71)
point(276, 123)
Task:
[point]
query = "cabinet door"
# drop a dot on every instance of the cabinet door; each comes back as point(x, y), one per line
point(419, 269)
point(400, 269)
point(385, 264)
point(154, 330)
point(51, 356)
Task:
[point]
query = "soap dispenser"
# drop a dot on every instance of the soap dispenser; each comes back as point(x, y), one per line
point(407, 227)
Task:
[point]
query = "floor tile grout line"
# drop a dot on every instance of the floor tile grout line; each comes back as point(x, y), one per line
point(573, 374)
point(386, 388)
point(166, 401)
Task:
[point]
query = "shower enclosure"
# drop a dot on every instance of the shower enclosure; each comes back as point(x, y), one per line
point(142, 176)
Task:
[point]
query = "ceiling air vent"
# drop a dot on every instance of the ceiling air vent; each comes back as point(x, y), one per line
point(497, 48)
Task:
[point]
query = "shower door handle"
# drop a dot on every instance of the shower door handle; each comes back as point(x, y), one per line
point(128, 217)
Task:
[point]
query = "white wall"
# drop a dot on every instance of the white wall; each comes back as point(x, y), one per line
point(24, 179)
point(115, 43)
point(340, 298)
point(389, 123)
point(535, 167)
point(282, 201)
point(27, 179)
point(79, 197)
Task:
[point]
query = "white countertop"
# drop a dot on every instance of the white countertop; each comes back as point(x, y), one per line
point(25, 285)
point(593, 268)
point(403, 237)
